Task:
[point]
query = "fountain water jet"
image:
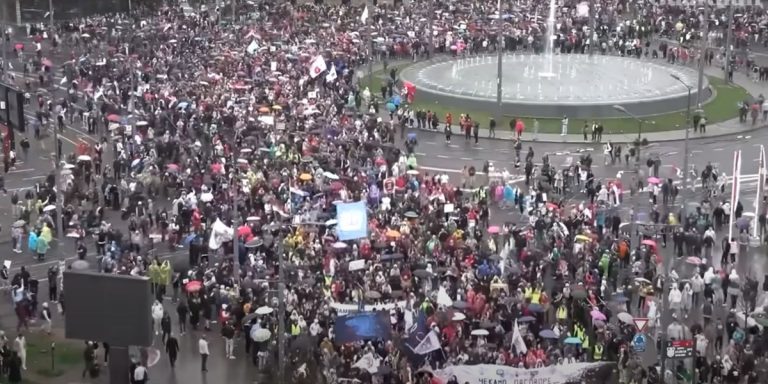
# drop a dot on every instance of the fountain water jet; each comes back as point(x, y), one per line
point(549, 47)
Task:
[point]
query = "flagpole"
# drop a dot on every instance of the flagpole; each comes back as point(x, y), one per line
point(734, 192)
point(370, 44)
point(760, 186)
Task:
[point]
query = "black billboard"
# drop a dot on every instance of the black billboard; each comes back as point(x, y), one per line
point(108, 308)
point(12, 105)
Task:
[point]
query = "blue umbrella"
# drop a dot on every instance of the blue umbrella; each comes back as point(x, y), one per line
point(396, 100)
point(548, 334)
point(189, 239)
point(391, 107)
point(572, 341)
point(526, 319)
point(535, 308)
point(412, 135)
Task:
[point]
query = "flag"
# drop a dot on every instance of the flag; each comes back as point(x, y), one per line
point(443, 298)
point(428, 344)
point(331, 76)
point(517, 340)
point(364, 16)
point(735, 191)
point(317, 67)
point(252, 47)
point(368, 362)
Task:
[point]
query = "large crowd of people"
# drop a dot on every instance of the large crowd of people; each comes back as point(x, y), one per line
point(248, 142)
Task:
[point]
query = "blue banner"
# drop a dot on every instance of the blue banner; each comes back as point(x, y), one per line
point(352, 221)
point(362, 326)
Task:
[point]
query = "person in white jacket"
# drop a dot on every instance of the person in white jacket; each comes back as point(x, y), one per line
point(157, 315)
point(687, 300)
point(697, 286)
point(675, 300)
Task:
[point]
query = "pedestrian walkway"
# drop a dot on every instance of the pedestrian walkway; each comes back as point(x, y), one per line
point(729, 127)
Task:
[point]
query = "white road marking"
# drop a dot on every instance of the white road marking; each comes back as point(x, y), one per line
point(21, 170)
point(34, 178)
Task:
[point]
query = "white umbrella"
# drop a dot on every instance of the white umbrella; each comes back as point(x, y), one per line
point(252, 218)
point(480, 332)
point(206, 197)
point(458, 316)
point(114, 126)
point(142, 124)
point(242, 161)
point(69, 166)
point(246, 150)
point(331, 222)
point(83, 158)
point(339, 245)
point(330, 175)
point(49, 208)
point(625, 317)
point(260, 335)
point(135, 162)
point(264, 310)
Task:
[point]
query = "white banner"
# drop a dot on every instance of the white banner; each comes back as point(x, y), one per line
point(345, 309)
point(502, 374)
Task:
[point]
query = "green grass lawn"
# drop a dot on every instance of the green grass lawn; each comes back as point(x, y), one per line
point(68, 355)
point(722, 108)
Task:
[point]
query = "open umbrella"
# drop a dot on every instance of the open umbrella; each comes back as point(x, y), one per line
point(373, 295)
point(411, 215)
point(480, 332)
point(260, 335)
point(458, 316)
point(526, 319)
point(536, 308)
point(339, 245)
point(597, 315)
point(494, 229)
point(572, 341)
point(264, 310)
point(653, 180)
point(113, 118)
point(194, 286)
point(693, 260)
point(547, 334)
point(625, 317)
point(648, 242)
point(19, 223)
point(49, 208)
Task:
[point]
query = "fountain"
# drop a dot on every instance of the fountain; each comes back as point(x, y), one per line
point(549, 47)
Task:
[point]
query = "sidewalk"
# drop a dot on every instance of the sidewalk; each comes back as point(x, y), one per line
point(729, 127)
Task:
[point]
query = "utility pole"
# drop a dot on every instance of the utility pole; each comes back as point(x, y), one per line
point(18, 12)
point(702, 56)
point(370, 44)
point(3, 22)
point(235, 212)
point(280, 310)
point(728, 37)
point(592, 27)
point(50, 11)
point(500, 50)
point(430, 34)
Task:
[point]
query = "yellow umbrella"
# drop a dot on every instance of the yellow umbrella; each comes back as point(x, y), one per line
point(582, 238)
point(263, 110)
point(393, 234)
point(277, 108)
point(305, 177)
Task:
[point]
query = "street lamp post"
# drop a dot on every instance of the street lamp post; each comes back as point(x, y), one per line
point(687, 130)
point(500, 49)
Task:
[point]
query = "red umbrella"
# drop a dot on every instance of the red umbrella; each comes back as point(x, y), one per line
point(244, 231)
point(649, 243)
point(172, 167)
point(19, 46)
point(113, 118)
point(194, 286)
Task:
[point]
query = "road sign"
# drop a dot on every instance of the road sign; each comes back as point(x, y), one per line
point(641, 323)
point(639, 343)
point(679, 349)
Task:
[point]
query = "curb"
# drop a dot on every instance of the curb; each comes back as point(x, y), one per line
point(609, 137)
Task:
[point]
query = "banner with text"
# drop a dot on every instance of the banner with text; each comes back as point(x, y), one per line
point(575, 373)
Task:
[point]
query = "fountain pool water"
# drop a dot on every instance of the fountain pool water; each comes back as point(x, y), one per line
point(556, 85)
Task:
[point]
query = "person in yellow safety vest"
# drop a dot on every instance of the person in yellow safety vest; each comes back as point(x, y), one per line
point(585, 342)
point(577, 332)
point(295, 329)
point(562, 313)
point(597, 353)
point(535, 296)
point(528, 293)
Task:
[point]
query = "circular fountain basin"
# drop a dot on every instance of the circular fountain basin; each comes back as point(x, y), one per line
point(577, 86)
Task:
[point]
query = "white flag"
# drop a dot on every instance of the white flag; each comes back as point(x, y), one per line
point(252, 47)
point(517, 340)
point(443, 298)
point(317, 67)
point(331, 76)
point(430, 343)
point(364, 16)
point(368, 362)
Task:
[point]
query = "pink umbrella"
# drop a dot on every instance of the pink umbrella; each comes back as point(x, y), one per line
point(494, 229)
point(47, 63)
point(597, 315)
point(693, 260)
point(653, 180)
